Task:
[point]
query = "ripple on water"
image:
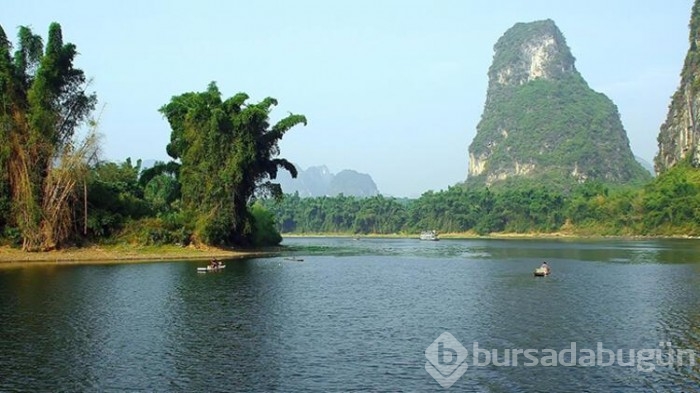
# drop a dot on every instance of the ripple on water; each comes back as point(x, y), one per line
point(355, 315)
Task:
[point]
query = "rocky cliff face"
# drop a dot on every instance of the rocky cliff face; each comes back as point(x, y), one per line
point(530, 51)
point(541, 120)
point(679, 137)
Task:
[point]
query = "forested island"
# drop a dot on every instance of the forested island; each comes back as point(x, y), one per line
point(219, 188)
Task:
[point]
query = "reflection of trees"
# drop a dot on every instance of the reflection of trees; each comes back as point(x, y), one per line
point(226, 330)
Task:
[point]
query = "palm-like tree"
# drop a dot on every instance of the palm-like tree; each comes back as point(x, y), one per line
point(228, 152)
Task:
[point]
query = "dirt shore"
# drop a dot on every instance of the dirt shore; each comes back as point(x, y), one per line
point(123, 254)
point(132, 254)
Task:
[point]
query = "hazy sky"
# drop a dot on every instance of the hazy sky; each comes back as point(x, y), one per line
point(393, 88)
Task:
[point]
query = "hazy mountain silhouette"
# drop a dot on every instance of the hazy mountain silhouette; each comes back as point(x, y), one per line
point(319, 181)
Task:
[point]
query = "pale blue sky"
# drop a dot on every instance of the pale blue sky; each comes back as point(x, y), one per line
point(390, 88)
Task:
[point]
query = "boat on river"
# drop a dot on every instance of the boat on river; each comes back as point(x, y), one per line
point(429, 235)
point(542, 271)
point(210, 269)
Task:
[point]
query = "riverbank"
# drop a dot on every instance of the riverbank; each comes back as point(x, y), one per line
point(450, 235)
point(496, 235)
point(125, 253)
point(132, 254)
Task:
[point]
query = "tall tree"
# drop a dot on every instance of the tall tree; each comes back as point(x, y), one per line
point(228, 151)
point(7, 109)
point(43, 101)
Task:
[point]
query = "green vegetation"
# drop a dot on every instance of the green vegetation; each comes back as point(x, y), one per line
point(43, 103)
point(227, 150)
point(219, 189)
point(54, 191)
point(668, 206)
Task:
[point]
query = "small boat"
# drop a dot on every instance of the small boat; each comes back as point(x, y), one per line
point(210, 269)
point(429, 235)
point(542, 271)
point(295, 259)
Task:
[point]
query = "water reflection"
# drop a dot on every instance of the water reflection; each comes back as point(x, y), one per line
point(356, 319)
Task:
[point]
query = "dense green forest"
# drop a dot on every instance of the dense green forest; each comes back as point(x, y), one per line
point(219, 188)
point(55, 191)
point(667, 206)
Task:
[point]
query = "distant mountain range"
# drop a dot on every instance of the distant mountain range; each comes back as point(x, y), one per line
point(646, 165)
point(318, 181)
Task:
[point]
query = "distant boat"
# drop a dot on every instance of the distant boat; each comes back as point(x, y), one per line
point(295, 259)
point(429, 235)
point(210, 269)
point(542, 271)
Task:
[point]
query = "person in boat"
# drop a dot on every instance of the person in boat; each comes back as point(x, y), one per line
point(545, 267)
point(214, 263)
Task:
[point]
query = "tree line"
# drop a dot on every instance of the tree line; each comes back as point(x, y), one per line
point(667, 206)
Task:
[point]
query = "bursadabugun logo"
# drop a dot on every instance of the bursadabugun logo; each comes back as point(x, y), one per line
point(446, 360)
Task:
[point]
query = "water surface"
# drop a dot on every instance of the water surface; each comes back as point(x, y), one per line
point(354, 315)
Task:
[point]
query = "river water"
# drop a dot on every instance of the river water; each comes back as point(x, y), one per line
point(358, 315)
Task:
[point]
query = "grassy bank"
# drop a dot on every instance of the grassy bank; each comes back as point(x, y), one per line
point(133, 253)
point(125, 253)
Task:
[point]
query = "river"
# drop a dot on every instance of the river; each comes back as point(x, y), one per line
point(343, 314)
